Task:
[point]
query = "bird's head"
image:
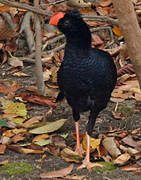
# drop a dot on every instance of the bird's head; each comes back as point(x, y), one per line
point(69, 23)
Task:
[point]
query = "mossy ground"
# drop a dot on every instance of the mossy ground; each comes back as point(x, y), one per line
point(16, 168)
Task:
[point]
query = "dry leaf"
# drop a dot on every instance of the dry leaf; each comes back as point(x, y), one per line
point(57, 174)
point(2, 148)
point(24, 150)
point(130, 168)
point(70, 156)
point(131, 142)
point(46, 75)
point(3, 162)
point(122, 159)
point(111, 146)
point(15, 62)
point(38, 99)
point(31, 121)
point(105, 3)
point(49, 127)
point(117, 31)
point(40, 137)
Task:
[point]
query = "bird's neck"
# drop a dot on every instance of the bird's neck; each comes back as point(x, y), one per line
point(78, 45)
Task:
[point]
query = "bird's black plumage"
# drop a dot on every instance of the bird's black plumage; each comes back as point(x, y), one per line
point(87, 76)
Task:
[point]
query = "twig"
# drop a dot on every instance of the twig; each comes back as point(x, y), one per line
point(26, 7)
point(38, 64)
point(53, 40)
point(57, 48)
point(9, 21)
point(101, 18)
point(25, 27)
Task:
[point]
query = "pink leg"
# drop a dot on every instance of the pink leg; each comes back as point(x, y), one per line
point(87, 158)
point(78, 145)
point(86, 162)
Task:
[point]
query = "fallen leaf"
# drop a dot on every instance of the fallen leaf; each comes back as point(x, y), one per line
point(2, 148)
point(43, 142)
point(11, 107)
point(38, 99)
point(40, 137)
point(14, 62)
point(24, 150)
point(57, 174)
point(94, 144)
point(129, 150)
point(3, 162)
point(5, 89)
point(59, 141)
point(21, 74)
point(117, 31)
point(122, 159)
point(49, 127)
point(46, 75)
point(70, 156)
point(105, 3)
point(130, 168)
point(31, 121)
point(111, 146)
point(131, 142)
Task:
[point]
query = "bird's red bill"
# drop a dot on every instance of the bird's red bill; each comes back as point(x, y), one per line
point(55, 18)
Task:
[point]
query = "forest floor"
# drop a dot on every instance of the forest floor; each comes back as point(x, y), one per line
point(104, 121)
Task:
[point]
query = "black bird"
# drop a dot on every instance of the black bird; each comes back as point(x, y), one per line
point(87, 76)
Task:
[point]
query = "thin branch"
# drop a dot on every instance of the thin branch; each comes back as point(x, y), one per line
point(38, 63)
point(101, 18)
point(26, 7)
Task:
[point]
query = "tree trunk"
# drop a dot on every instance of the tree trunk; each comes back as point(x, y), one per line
point(131, 32)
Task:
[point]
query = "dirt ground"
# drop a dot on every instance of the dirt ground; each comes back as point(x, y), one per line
point(103, 123)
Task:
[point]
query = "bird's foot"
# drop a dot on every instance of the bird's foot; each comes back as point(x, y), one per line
point(79, 150)
point(88, 165)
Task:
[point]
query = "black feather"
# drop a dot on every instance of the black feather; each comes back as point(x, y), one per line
point(87, 75)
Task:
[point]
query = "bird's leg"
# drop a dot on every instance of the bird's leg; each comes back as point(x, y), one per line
point(78, 145)
point(86, 162)
point(87, 157)
point(91, 122)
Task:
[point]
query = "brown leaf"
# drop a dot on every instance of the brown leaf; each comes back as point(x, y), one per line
point(122, 159)
point(58, 141)
point(17, 138)
point(31, 121)
point(105, 3)
point(131, 142)
point(2, 148)
point(4, 8)
point(9, 89)
point(118, 115)
point(130, 168)
point(70, 156)
point(24, 150)
point(40, 137)
point(7, 34)
point(3, 162)
point(38, 99)
point(57, 174)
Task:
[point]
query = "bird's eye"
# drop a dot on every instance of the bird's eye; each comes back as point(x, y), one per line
point(67, 22)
